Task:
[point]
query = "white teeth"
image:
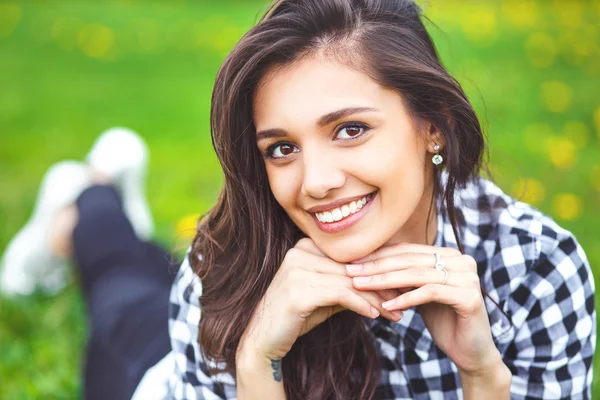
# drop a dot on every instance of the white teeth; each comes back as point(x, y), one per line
point(345, 211)
point(342, 212)
point(353, 207)
point(337, 214)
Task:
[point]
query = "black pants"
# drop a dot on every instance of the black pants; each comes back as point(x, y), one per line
point(126, 284)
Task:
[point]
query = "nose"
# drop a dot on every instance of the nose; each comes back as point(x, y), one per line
point(321, 174)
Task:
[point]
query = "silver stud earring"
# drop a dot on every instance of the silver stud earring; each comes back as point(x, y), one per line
point(437, 159)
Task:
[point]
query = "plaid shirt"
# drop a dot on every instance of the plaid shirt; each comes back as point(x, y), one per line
point(535, 270)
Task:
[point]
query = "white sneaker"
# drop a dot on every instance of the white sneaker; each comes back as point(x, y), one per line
point(122, 155)
point(28, 263)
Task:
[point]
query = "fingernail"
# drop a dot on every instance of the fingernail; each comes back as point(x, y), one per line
point(353, 267)
point(388, 304)
point(374, 312)
point(397, 315)
point(362, 279)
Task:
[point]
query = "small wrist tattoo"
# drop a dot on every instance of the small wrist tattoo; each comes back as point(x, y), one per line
point(276, 366)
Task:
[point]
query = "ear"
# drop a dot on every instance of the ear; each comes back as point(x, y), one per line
point(433, 137)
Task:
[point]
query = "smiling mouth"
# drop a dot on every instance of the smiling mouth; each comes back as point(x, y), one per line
point(340, 213)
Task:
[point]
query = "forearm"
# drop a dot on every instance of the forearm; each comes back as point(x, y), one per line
point(493, 384)
point(259, 378)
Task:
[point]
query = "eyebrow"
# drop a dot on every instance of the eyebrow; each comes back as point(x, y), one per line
point(324, 120)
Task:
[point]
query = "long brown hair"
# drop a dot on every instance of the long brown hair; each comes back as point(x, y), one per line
point(243, 239)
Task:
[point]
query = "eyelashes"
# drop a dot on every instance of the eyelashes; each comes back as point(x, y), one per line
point(352, 125)
point(277, 148)
point(283, 149)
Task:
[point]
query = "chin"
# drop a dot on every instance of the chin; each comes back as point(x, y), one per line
point(346, 253)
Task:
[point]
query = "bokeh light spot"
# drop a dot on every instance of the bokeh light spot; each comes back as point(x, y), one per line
point(479, 24)
point(561, 151)
point(10, 15)
point(569, 13)
point(556, 96)
point(576, 46)
point(541, 50)
point(96, 40)
point(567, 206)
point(187, 225)
point(529, 190)
point(521, 13)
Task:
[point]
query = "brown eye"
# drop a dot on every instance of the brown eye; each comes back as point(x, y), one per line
point(352, 131)
point(281, 150)
point(286, 149)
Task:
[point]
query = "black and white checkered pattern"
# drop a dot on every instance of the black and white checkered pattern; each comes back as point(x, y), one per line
point(535, 270)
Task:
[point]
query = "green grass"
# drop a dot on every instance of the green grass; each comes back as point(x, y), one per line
point(69, 70)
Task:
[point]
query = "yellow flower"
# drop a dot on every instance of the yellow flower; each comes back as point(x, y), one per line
point(556, 96)
point(96, 40)
point(561, 151)
point(567, 206)
point(10, 15)
point(541, 50)
point(186, 227)
point(529, 190)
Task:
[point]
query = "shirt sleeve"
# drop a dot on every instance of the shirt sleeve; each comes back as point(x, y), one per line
point(191, 378)
point(553, 311)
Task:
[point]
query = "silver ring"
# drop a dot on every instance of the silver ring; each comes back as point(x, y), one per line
point(439, 265)
point(445, 276)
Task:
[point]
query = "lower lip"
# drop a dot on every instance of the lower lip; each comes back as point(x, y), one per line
point(345, 223)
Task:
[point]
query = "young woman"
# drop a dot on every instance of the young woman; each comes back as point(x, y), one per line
point(354, 251)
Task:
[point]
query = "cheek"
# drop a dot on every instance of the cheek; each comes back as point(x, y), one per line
point(285, 184)
point(393, 163)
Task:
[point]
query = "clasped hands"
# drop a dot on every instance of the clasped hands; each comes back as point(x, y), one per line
point(398, 277)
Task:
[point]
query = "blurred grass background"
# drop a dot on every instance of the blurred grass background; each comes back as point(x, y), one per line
point(71, 69)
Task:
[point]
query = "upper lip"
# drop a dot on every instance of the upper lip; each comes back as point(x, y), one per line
point(335, 204)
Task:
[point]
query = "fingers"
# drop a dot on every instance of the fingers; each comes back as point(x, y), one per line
point(405, 261)
point(388, 294)
point(377, 301)
point(401, 248)
point(324, 283)
point(466, 302)
point(341, 296)
point(416, 277)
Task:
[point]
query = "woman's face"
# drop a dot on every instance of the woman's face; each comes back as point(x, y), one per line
point(343, 158)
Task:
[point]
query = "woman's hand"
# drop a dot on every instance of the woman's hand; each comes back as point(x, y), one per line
point(307, 289)
point(454, 313)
